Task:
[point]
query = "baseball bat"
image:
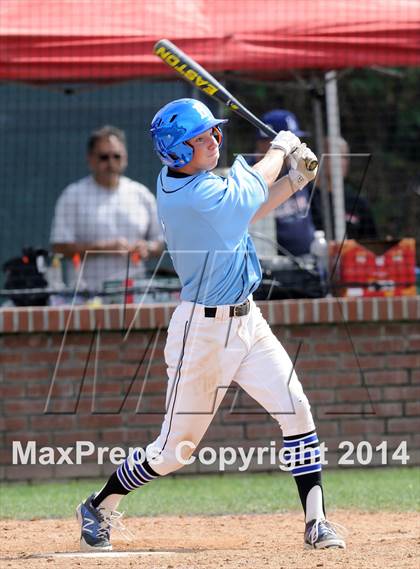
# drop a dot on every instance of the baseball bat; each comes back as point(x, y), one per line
point(193, 73)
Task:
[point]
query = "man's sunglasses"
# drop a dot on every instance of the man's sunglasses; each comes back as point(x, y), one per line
point(107, 157)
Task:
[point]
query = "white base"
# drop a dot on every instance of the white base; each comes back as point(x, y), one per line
point(98, 554)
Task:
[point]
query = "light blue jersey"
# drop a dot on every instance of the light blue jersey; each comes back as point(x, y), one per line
point(205, 219)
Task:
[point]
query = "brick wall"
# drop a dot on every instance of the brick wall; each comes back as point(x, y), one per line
point(358, 360)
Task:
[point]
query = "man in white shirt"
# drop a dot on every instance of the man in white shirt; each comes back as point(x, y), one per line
point(107, 216)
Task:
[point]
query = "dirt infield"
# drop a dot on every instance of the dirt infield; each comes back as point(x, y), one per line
point(375, 540)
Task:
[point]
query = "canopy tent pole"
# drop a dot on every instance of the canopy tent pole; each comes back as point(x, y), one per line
point(319, 145)
point(336, 172)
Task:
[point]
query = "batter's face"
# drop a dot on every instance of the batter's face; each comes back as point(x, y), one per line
point(206, 153)
point(107, 161)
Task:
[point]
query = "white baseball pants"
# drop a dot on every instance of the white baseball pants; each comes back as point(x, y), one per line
point(204, 355)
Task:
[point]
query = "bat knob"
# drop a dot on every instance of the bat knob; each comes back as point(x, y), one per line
point(311, 164)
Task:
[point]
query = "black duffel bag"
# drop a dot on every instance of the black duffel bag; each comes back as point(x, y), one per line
point(24, 273)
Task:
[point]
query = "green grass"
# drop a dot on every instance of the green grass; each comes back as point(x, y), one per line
point(395, 489)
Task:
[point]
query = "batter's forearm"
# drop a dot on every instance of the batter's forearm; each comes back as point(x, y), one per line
point(269, 167)
point(278, 193)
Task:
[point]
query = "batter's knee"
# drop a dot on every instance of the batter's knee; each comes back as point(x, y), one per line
point(299, 419)
point(171, 458)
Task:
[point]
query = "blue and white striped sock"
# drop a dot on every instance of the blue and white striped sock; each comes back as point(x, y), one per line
point(302, 453)
point(135, 472)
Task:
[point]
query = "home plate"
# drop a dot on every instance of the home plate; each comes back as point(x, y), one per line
point(89, 554)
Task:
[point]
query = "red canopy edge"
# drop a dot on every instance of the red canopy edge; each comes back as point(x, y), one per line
point(75, 40)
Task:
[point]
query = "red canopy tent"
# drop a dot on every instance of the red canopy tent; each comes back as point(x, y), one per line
point(109, 40)
point(93, 40)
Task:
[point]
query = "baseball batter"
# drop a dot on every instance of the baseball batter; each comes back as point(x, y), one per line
point(217, 334)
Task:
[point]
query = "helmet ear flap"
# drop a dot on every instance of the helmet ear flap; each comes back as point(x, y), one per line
point(180, 155)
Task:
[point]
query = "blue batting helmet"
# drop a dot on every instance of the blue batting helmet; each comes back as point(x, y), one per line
point(176, 123)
